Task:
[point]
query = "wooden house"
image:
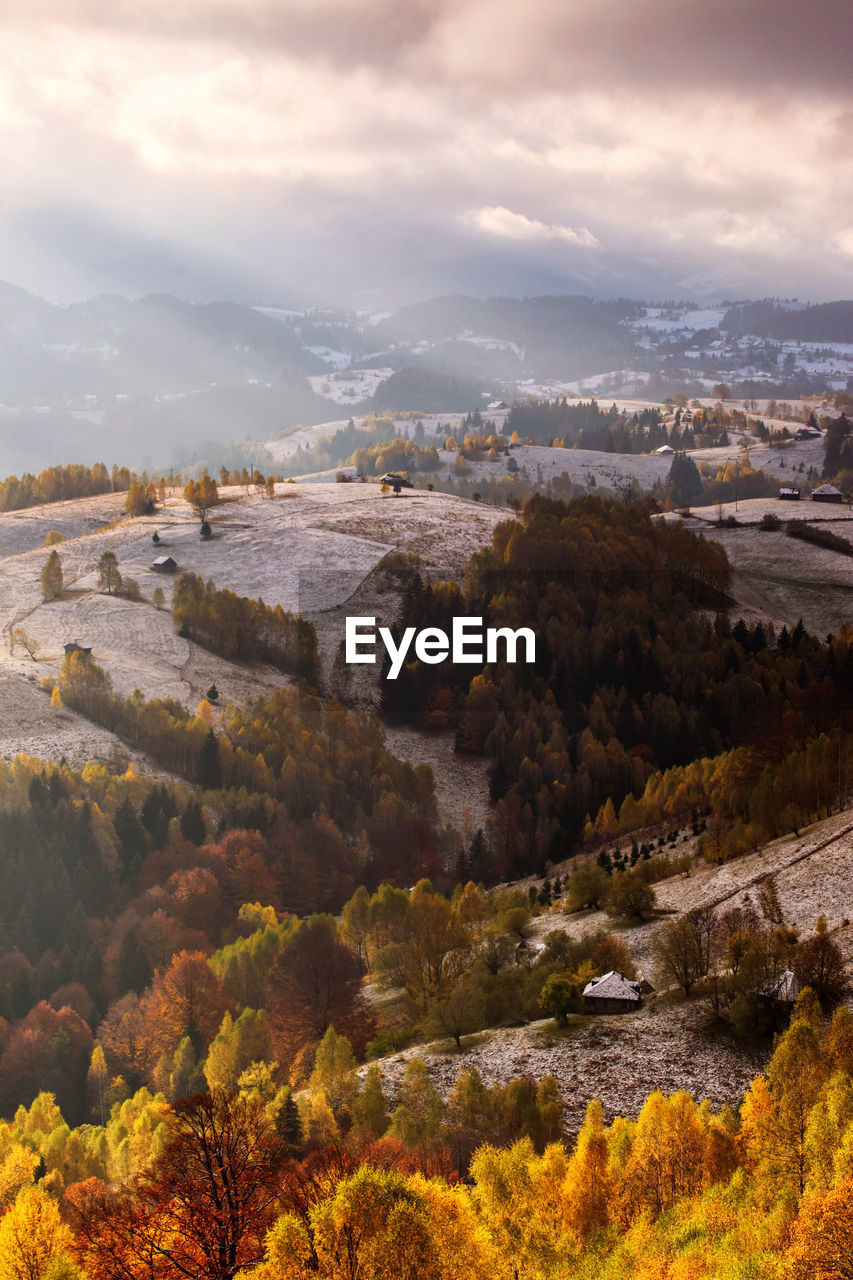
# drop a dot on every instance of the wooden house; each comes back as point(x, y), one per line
point(611, 993)
point(826, 493)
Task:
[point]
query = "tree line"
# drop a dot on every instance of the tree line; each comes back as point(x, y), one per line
point(236, 627)
point(245, 1182)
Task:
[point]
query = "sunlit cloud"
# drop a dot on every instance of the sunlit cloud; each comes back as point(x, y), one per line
point(295, 131)
point(497, 221)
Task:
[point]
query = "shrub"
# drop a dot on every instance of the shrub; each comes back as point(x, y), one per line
point(388, 1041)
point(560, 996)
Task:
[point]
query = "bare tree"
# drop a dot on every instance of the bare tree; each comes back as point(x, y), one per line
point(683, 948)
point(25, 640)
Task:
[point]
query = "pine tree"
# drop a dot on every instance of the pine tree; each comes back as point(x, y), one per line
point(288, 1124)
point(192, 823)
point(209, 768)
point(685, 483)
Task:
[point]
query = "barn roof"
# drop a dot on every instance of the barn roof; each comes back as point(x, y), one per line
point(612, 986)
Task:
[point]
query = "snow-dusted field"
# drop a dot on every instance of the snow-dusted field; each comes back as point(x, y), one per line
point(347, 386)
point(669, 1044)
point(617, 1058)
point(813, 873)
point(312, 549)
point(781, 579)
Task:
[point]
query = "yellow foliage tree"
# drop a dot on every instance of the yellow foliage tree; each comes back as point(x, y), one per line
point(17, 1166)
point(822, 1238)
point(589, 1187)
point(519, 1198)
point(32, 1237)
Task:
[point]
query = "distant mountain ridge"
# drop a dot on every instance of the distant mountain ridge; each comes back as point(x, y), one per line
point(147, 381)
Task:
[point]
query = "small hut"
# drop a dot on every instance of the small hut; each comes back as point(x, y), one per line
point(611, 993)
point(826, 493)
point(164, 564)
point(74, 646)
point(789, 495)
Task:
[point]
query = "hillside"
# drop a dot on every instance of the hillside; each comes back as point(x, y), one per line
point(159, 382)
point(314, 549)
point(671, 1043)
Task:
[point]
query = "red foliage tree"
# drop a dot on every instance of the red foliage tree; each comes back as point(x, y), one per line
point(186, 1000)
point(315, 984)
point(202, 1208)
point(49, 1050)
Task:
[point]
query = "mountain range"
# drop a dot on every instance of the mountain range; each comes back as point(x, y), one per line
point(147, 382)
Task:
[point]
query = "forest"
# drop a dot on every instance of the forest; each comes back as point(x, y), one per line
point(56, 484)
point(184, 958)
point(251, 1181)
point(638, 674)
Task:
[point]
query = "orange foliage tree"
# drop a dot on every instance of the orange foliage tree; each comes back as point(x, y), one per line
point(200, 1210)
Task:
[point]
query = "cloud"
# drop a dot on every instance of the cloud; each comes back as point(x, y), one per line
point(501, 43)
point(297, 132)
point(498, 221)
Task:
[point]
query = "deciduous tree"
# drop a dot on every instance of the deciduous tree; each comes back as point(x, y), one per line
point(51, 577)
point(199, 1211)
point(109, 576)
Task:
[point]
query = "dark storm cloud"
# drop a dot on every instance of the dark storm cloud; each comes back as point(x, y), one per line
point(743, 45)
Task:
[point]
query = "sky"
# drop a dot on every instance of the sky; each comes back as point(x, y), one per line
point(372, 152)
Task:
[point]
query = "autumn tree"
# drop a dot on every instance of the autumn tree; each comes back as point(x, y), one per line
point(417, 1118)
point(334, 1075)
point(370, 1111)
point(140, 499)
point(631, 897)
point(433, 952)
point(200, 1210)
point(315, 982)
point(560, 996)
point(777, 1108)
point(519, 1196)
point(819, 964)
point(588, 886)
point(22, 637)
point(238, 1044)
point(589, 1187)
point(185, 1000)
point(667, 1154)
point(34, 1242)
point(51, 577)
point(822, 1237)
point(47, 1050)
point(683, 948)
point(202, 494)
point(375, 1223)
point(109, 577)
